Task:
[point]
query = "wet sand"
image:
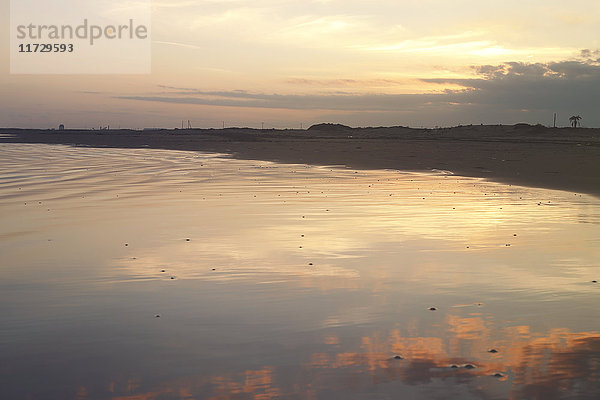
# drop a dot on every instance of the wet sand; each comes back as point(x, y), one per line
point(156, 274)
point(555, 158)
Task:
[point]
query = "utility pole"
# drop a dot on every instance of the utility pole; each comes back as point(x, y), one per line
point(555, 120)
point(223, 124)
point(262, 126)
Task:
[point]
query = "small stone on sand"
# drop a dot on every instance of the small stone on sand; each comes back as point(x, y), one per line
point(432, 309)
point(492, 351)
point(398, 358)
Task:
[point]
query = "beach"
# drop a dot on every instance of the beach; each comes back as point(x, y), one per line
point(320, 200)
point(531, 155)
point(147, 273)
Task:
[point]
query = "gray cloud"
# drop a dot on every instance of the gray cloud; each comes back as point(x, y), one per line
point(590, 55)
point(499, 93)
point(342, 82)
point(554, 86)
point(334, 102)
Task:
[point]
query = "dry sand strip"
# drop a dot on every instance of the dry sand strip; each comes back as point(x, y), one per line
point(556, 158)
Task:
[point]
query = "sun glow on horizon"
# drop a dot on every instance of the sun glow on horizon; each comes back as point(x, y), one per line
point(321, 49)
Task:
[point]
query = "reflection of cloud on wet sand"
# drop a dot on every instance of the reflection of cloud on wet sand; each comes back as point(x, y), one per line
point(277, 269)
point(557, 364)
point(534, 366)
point(564, 364)
point(251, 384)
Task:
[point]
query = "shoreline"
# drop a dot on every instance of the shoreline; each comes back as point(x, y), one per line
point(554, 158)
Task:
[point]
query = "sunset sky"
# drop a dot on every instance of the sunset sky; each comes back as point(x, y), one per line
point(286, 63)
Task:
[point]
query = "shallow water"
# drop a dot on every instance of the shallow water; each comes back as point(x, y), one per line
point(296, 282)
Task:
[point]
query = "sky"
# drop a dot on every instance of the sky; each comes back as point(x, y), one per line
point(362, 63)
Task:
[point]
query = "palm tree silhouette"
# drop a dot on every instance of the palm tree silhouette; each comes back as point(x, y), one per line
point(574, 120)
